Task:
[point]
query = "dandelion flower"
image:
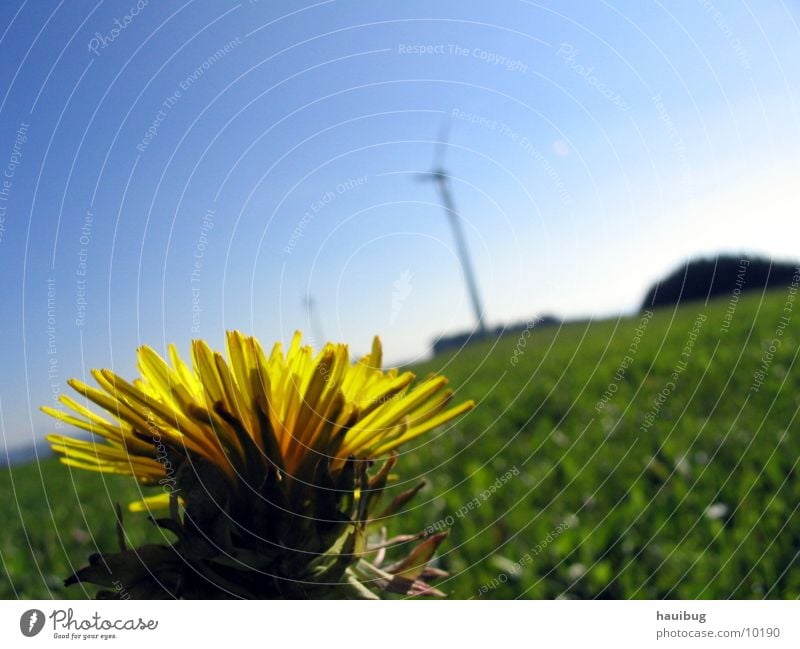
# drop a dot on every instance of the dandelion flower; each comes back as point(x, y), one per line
point(265, 464)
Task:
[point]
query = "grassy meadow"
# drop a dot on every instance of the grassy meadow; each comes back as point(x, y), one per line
point(616, 459)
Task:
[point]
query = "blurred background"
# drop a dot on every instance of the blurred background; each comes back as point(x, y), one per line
point(533, 175)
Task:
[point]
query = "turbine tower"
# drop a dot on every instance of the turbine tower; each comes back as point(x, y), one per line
point(438, 175)
point(314, 320)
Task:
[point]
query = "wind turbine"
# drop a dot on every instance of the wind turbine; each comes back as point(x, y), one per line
point(314, 320)
point(438, 175)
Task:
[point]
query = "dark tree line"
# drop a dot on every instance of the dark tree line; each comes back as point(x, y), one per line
point(701, 279)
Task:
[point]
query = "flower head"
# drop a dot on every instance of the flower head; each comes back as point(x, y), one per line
point(282, 445)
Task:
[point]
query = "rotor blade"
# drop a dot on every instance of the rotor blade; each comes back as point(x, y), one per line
point(441, 143)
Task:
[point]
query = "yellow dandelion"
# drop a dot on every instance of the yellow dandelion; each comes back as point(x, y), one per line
point(265, 466)
point(293, 407)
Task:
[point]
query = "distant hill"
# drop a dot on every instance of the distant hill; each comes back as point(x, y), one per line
point(701, 279)
point(22, 454)
point(457, 341)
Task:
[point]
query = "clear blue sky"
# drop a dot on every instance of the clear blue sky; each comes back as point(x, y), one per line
point(234, 157)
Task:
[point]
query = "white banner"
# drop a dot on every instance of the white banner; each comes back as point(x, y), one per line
point(385, 625)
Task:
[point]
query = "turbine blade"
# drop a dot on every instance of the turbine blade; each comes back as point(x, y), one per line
point(441, 143)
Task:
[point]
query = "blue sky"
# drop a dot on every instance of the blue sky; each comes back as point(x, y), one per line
point(202, 166)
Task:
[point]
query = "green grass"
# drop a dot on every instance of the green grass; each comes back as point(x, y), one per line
point(53, 518)
point(599, 508)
